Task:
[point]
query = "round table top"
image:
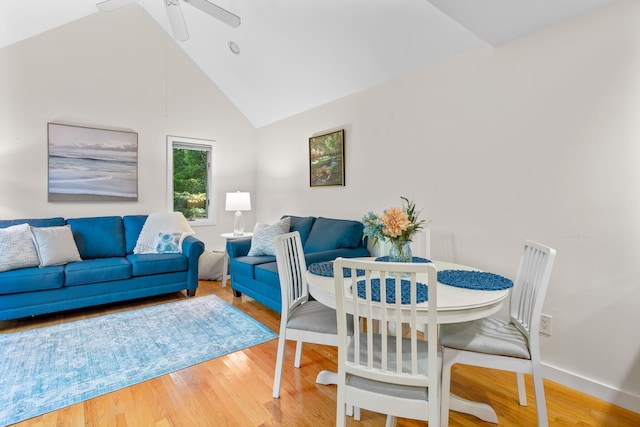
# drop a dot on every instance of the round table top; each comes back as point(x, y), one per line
point(454, 304)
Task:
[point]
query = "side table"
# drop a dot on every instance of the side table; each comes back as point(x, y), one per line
point(225, 262)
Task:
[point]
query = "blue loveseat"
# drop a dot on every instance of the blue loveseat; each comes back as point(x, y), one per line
point(323, 239)
point(108, 272)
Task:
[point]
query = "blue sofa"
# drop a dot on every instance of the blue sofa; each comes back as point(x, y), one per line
point(108, 272)
point(323, 239)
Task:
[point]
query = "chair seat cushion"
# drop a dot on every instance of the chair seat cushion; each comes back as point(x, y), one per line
point(489, 335)
point(396, 390)
point(315, 317)
point(380, 387)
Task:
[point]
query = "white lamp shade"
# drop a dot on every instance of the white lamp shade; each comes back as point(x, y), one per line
point(238, 201)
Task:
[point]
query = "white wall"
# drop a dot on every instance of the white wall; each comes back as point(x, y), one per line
point(117, 71)
point(538, 139)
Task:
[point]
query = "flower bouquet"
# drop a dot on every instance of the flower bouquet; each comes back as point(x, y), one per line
point(396, 225)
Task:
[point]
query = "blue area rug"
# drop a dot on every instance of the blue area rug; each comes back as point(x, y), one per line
point(45, 369)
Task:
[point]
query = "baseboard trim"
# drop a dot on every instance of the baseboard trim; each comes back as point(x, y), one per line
point(593, 388)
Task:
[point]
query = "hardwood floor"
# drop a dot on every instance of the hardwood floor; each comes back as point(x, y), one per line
point(235, 390)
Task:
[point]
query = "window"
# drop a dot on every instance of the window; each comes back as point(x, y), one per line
point(189, 179)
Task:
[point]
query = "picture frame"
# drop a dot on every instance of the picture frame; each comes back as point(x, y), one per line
point(326, 159)
point(91, 164)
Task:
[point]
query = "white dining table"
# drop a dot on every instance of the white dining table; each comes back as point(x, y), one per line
point(455, 305)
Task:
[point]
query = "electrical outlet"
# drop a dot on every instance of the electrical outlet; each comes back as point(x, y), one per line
point(545, 324)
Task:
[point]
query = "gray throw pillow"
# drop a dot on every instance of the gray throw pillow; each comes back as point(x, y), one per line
point(55, 245)
point(17, 248)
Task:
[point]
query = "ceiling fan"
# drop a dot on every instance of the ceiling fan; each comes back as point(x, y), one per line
point(175, 16)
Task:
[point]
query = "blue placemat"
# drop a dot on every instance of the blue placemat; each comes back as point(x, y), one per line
point(421, 289)
point(413, 259)
point(326, 269)
point(478, 280)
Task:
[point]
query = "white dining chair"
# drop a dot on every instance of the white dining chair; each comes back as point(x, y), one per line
point(301, 320)
point(377, 371)
point(507, 345)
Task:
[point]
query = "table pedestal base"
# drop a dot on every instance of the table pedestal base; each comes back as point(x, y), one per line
point(480, 410)
point(327, 377)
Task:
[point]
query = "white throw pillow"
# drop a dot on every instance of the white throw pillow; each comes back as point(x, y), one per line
point(17, 248)
point(55, 245)
point(263, 241)
point(259, 226)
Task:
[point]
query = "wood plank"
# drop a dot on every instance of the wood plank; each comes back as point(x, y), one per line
point(235, 390)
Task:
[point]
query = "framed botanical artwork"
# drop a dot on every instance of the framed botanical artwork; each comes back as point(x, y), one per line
point(326, 159)
point(88, 164)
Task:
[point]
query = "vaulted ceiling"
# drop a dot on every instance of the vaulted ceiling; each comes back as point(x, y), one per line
point(298, 54)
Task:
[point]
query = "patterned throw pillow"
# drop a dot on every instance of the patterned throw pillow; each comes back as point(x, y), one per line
point(263, 240)
point(17, 248)
point(55, 245)
point(169, 243)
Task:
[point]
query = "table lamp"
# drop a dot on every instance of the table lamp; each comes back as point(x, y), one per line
point(238, 201)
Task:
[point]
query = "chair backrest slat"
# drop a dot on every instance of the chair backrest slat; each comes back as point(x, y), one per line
point(380, 351)
point(530, 286)
point(291, 269)
point(389, 357)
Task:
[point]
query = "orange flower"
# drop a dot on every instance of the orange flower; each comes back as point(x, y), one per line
point(395, 221)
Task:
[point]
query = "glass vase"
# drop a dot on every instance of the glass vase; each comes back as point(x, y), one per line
point(400, 251)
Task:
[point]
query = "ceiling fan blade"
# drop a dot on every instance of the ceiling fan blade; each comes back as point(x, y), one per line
point(109, 5)
point(216, 11)
point(176, 20)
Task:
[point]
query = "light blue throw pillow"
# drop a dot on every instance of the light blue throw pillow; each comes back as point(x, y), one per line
point(169, 243)
point(263, 240)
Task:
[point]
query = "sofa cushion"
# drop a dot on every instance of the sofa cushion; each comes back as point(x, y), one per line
point(268, 273)
point(17, 248)
point(132, 227)
point(96, 271)
point(55, 245)
point(34, 222)
point(31, 279)
point(263, 240)
point(328, 233)
point(99, 237)
point(302, 225)
point(148, 264)
point(244, 265)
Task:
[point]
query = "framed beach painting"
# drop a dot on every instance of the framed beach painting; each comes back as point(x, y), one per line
point(88, 164)
point(326, 159)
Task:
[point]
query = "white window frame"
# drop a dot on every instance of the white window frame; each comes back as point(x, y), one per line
point(193, 144)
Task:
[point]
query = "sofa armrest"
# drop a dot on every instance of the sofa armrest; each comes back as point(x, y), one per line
point(238, 247)
point(192, 247)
